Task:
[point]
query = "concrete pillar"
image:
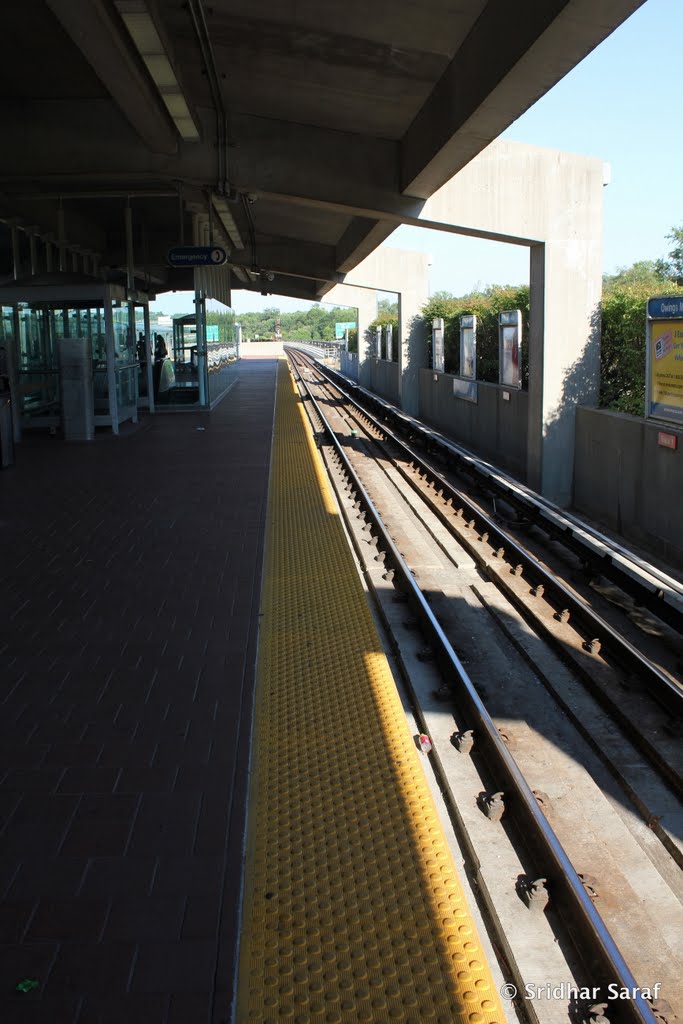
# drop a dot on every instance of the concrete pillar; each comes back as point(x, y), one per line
point(406, 274)
point(551, 202)
point(564, 359)
point(412, 344)
point(365, 301)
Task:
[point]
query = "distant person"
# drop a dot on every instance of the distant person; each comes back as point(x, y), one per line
point(164, 375)
point(142, 359)
point(166, 380)
point(160, 350)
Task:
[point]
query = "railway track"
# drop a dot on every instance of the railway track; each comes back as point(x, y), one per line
point(648, 584)
point(568, 759)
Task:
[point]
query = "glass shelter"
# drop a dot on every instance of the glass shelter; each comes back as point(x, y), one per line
point(204, 367)
point(80, 355)
point(73, 353)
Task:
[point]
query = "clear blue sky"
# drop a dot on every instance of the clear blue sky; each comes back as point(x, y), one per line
point(622, 104)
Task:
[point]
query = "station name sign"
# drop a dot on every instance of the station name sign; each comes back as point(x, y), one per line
point(197, 256)
point(672, 307)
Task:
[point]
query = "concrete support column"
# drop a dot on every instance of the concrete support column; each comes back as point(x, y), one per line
point(406, 274)
point(564, 358)
point(412, 343)
point(365, 301)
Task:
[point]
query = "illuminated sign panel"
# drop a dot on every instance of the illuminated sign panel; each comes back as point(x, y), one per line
point(664, 386)
point(510, 348)
point(468, 347)
point(438, 345)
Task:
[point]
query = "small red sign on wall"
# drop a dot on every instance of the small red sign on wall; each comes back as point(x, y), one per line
point(665, 440)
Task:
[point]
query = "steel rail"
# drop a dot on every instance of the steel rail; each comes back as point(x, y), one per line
point(594, 943)
point(593, 626)
point(654, 589)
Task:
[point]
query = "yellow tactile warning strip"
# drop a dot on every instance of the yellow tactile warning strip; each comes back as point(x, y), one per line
point(353, 910)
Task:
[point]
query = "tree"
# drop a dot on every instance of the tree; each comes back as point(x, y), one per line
point(387, 307)
point(643, 274)
point(673, 267)
point(622, 343)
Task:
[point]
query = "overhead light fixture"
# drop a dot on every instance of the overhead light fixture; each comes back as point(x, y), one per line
point(223, 210)
point(143, 32)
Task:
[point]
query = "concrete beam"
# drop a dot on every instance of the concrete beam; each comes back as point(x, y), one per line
point(290, 256)
point(102, 39)
point(364, 299)
point(351, 172)
point(360, 239)
point(498, 40)
point(403, 272)
point(513, 55)
point(289, 287)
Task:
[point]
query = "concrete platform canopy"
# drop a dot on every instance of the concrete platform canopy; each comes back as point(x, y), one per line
point(297, 135)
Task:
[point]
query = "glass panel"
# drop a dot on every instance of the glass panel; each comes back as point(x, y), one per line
point(37, 350)
point(99, 340)
point(126, 390)
point(37, 363)
point(126, 356)
point(6, 348)
point(124, 334)
point(221, 352)
point(176, 381)
point(99, 361)
point(141, 349)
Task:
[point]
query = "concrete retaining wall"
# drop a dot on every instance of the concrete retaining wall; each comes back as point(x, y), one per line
point(493, 426)
point(386, 380)
point(348, 362)
point(623, 478)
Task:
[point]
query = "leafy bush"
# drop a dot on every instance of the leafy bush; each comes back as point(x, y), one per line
point(622, 347)
point(383, 320)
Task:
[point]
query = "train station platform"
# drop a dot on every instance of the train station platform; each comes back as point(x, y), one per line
point(131, 601)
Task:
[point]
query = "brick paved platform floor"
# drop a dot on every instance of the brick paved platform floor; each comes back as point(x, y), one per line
point(130, 575)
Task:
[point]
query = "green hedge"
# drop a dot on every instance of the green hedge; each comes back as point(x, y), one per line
point(622, 347)
point(485, 306)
